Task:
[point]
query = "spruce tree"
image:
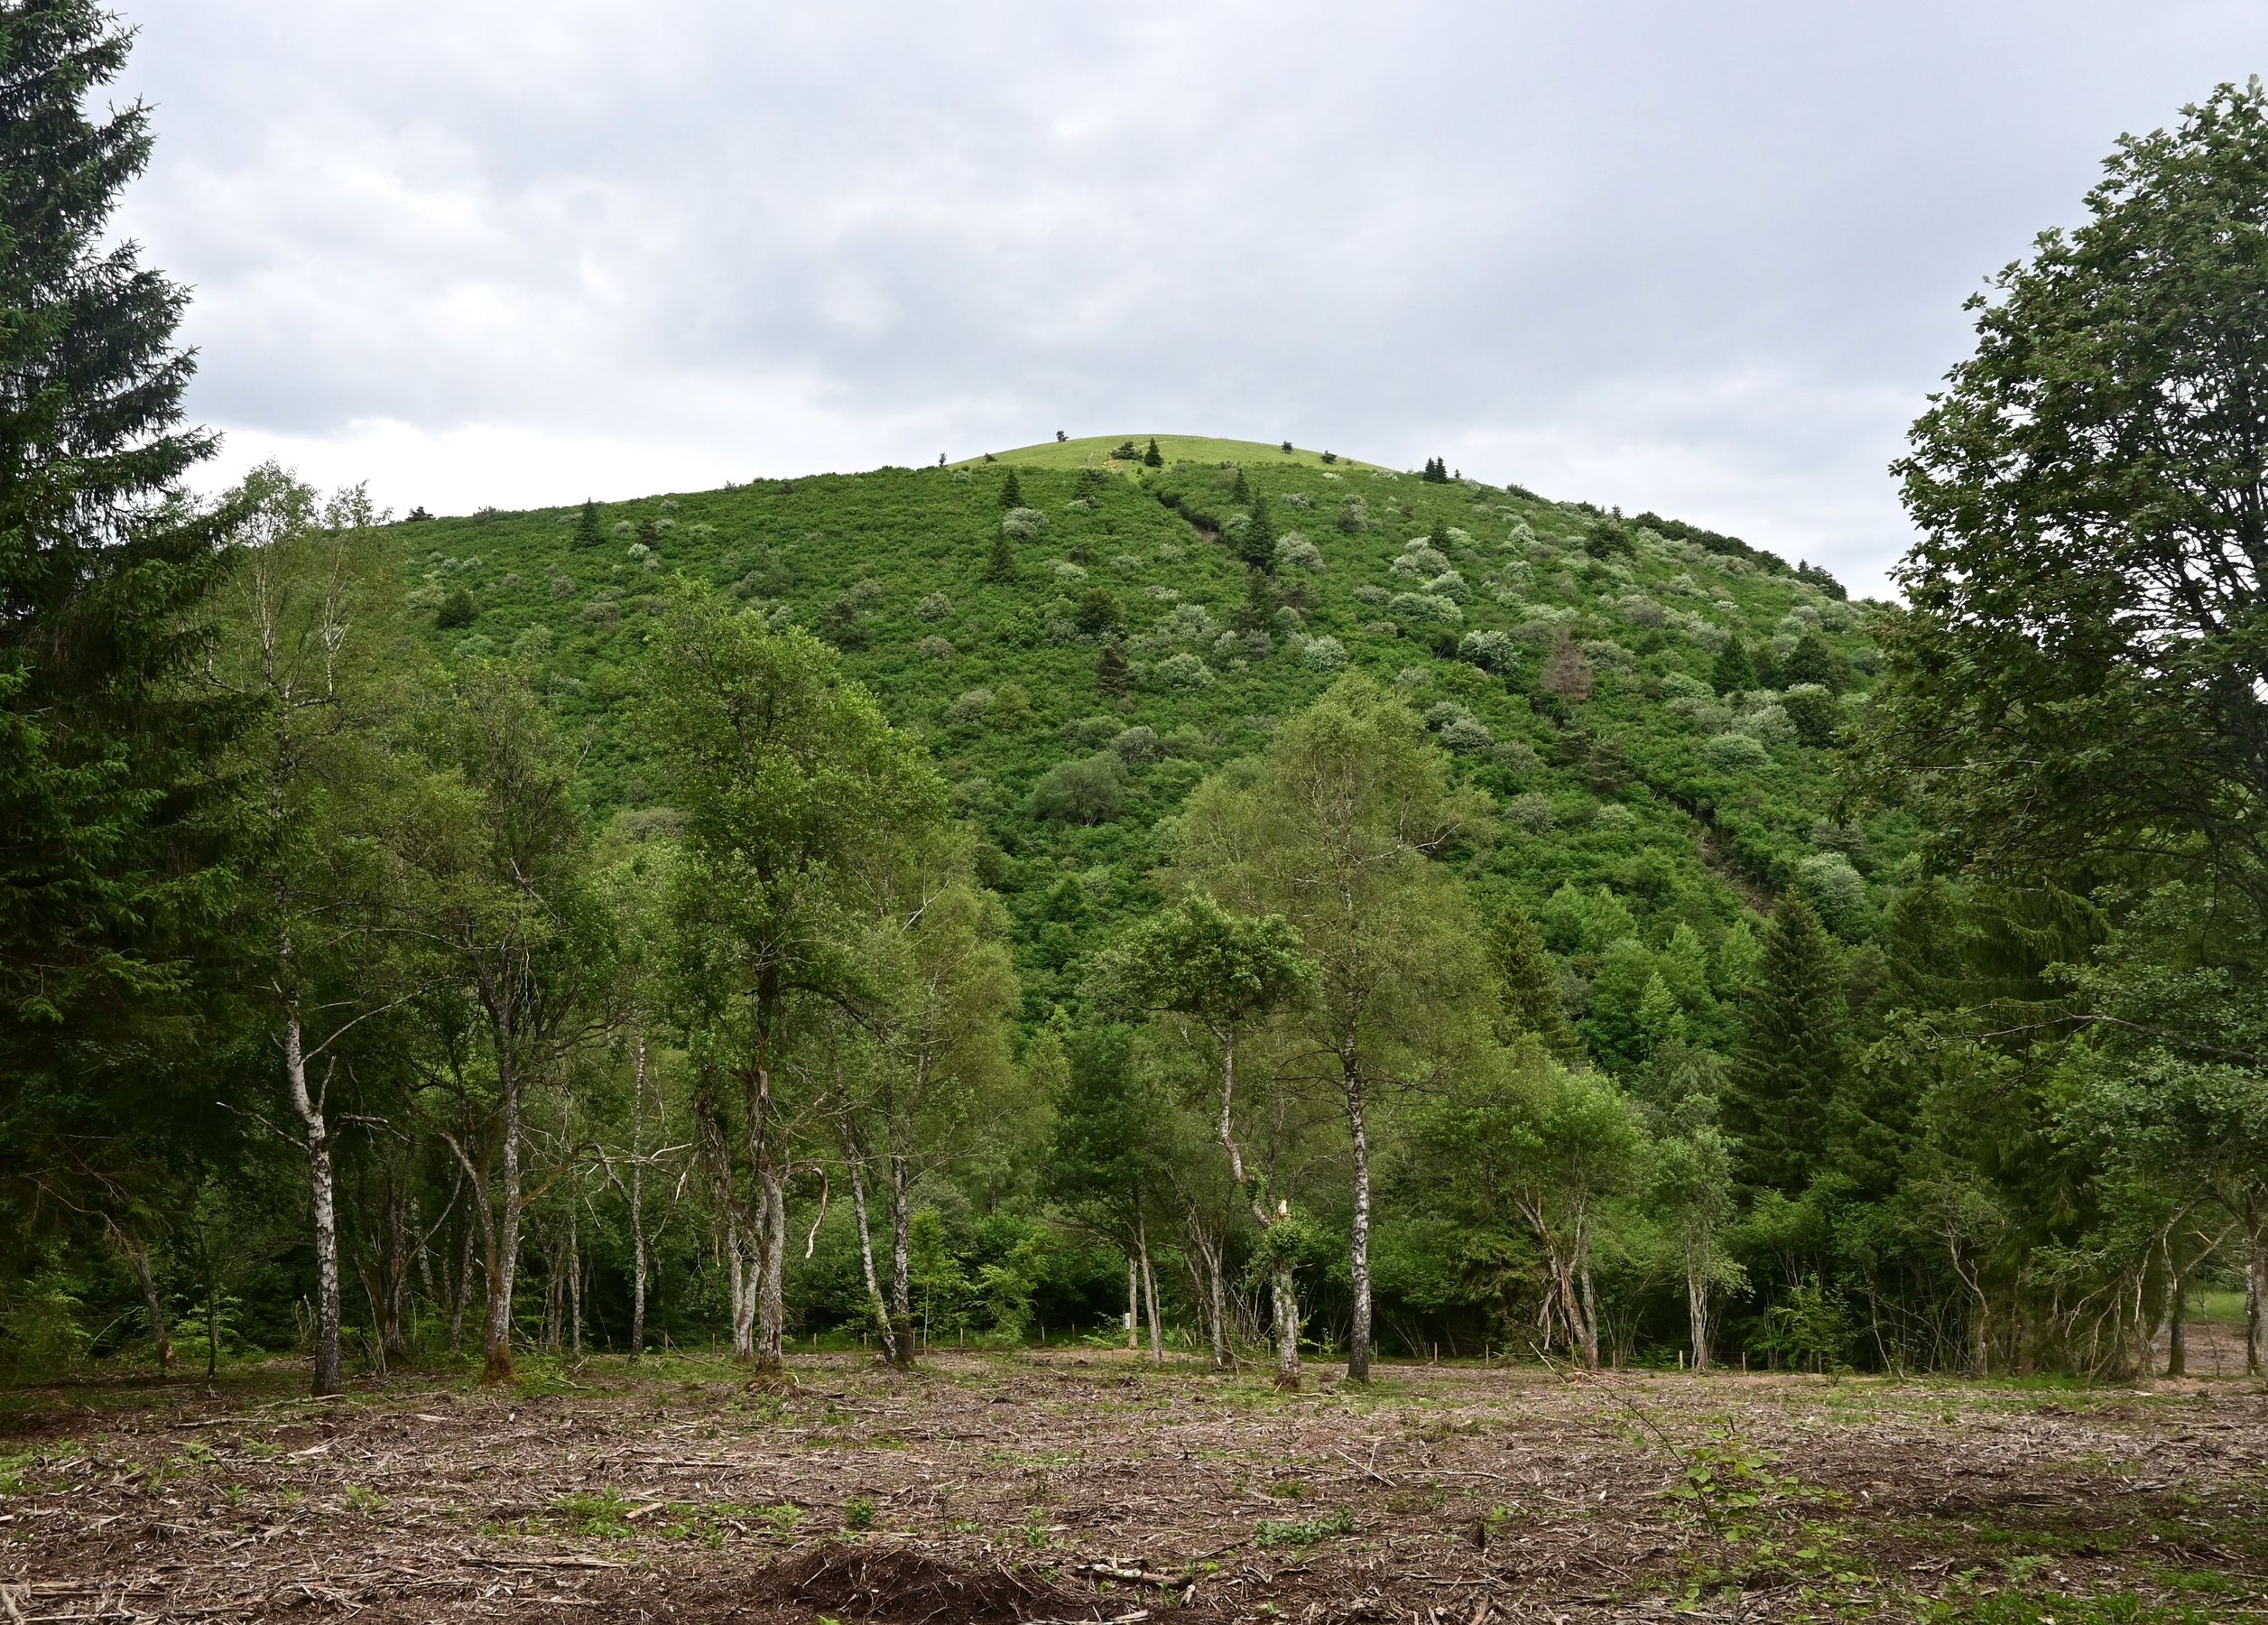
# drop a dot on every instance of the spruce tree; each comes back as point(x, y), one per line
point(586, 532)
point(1257, 546)
point(1734, 672)
point(1114, 676)
point(1011, 494)
point(1814, 660)
point(1794, 1053)
point(1527, 986)
point(1000, 565)
point(1242, 492)
point(103, 575)
point(1152, 458)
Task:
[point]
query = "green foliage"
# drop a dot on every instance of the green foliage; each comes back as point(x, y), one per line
point(111, 870)
point(1528, 985)
point(1732, 672)
point(2087, 594)
point(1795, 1050)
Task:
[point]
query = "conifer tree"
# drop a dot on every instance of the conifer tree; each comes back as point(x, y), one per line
point(105, 864)
point(1152, 458)
point(1794, 1052)
point(1242, 492)
point(586, 533)
point(1012, 493)
point(1527, 986)
point(1257, 545)
point(1734, 672)
point(1114, 675)
point(1814, 660)
point(1000, 564)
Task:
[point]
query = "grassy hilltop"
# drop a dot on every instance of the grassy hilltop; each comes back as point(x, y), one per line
point(1075, 698)
point(1101, 451)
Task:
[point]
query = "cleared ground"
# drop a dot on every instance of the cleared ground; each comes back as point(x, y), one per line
point(1084, 1485)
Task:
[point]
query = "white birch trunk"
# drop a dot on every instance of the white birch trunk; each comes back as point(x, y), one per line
point(323, 1197)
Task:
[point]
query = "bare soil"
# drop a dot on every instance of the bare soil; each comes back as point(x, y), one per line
point(1066, 1485)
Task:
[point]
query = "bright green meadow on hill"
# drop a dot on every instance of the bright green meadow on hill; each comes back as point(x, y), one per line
point(1123, 453)
point(1078, 657)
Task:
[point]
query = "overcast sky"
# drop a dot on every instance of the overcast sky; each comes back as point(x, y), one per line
point(1701, 258)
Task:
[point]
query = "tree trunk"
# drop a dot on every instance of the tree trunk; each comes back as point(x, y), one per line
point(503, 1246)
point(464, 1279)
point(1286, 1296)
point(1133, 1302)
point(1590, 1318)
point(637, 1200)
point(1358, 1238)
point(399, 1259)
point(744, 1298)
point(1215, 1287)
point(372, 1276)
point(1149, 1288)
point(2255, 1279)
point(637, 1261)
point(574, 1283)
point(901, 1263)
point(323, 1197)
point(772, 1262)
point(138, 1255)
point(1696, 1314)
point(2178, 1333)
point(886, 1322)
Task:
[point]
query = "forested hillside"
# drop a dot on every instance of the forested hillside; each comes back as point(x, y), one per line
point(1261, 900)
point(1078, 650)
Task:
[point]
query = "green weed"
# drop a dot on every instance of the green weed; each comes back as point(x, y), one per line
point(1306, 1532)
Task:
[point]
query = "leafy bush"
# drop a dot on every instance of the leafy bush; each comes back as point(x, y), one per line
point(1836, 892)
point(935, 649)
point(1324, 654)
point(1466, 734)
point(1813, 712)
point(1424, 607)
point(1532, 813)
point(1734, 752)
point(1185, 671)
point(969, 706)
point(1024, 523)
point(937, 607)
point(1295, 552)
point(1137, 744)
point(457, 609)
point(1089, 791)
point(1492, 651)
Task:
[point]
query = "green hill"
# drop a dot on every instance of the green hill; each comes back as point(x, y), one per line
point(1074, 703)
point(1122, 453)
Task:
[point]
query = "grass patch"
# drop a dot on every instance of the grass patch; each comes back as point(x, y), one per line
point(1305, 1531)
point(601, 1517)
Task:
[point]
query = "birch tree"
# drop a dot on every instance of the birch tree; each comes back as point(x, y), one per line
point(1337, 827)
point(1225, 973)
point(938, 990)
point(789, 779)
point(499, 889)
point(295, 656)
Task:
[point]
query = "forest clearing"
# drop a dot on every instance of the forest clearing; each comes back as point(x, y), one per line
point(1081, 1483)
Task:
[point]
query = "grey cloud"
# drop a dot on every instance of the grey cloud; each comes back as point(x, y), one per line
point(1706, 259)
